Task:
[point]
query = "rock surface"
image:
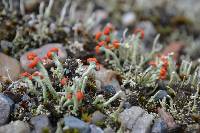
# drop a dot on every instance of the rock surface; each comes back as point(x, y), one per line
point(15, 127)
point(40, 123)
point(95, 129)
point(41, 52)
point(190, 8)
point(136, 119)
point(106, 77)
point(167, 117)
point(75, 123)
point(5, 107)
point(109, 130)
point(9, 67)
point(159, 126)
point(97, 117)
point(149, 30)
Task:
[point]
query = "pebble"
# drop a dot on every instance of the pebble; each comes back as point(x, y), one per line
point(109, 130)
point(128, 18)
point(160, 95)
point(98, 117)
point(6, 105)
point(167, 118)
point(95, 129)
point(149, 30)
point(109, 89)
point(136, 119)
point(143, 124)
point(41, 123)
point(159, 126)
point(41, 52)
point(75, 123)
point(9, 67)
point(105, 77)
point(15, 127)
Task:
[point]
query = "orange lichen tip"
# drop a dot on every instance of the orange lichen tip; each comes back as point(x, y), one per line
point(79, 95)
point(64, 81)
point(92, 60)
point(116, 44)
point(139, 31)
point(25, 74)
point(107, 30)
point(34, 62)
point(98, 35)
point(31, 55)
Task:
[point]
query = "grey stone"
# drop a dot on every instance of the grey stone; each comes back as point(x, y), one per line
point(75, 123)
point(149, 30)
point(127, 105)
point(109, 130)
point(160, 95)
point(95, 129)
point(41, 52)
point(136, 120)
point(159, 126)
point(98, 117)
point(109, 89)
point(128, 18)
point(15, 127)
point(129, 116)
point(143, 124)
point(40, 123)
point(6, 105)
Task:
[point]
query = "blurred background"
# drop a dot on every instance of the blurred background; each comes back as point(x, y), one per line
point(177, 21)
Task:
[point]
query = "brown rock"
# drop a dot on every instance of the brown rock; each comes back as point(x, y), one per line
point(175, 47)
point(41, 52)
point(167, 117)
point(107, 77)
point(9, 67)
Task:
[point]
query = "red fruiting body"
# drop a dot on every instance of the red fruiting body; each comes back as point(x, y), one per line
point(25, 74)
point(97, 49)
point(49, 53)
point(107, 30)
point(64, 81)
point(107, 39)
point(101, 43)
point(98, 35)
point(34, 62)
point(163, 73)
point(54, 49)
point(31, 55)
point(140, 31)
point(153, 63)
point(92, 60)
point(69, 96)
point(115, 44)
point(79, 95)
point(30, 77)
